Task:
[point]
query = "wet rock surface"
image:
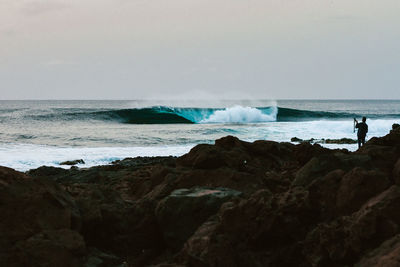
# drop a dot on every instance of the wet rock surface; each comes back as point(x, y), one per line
point(230, 204)
point(324, 141)
point(73, 162)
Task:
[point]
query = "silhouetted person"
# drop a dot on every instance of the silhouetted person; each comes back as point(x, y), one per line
point(362, 131)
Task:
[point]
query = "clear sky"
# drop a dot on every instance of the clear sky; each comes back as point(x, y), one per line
point(161, 49)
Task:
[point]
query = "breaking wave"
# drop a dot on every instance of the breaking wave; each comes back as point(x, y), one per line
point(173, 115)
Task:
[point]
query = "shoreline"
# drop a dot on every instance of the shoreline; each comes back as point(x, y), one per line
point(231, 203)
point(55, 160)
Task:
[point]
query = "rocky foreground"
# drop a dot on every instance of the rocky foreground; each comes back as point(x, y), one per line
point(229, 204)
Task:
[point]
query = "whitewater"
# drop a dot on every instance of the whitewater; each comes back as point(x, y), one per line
point(36, 133)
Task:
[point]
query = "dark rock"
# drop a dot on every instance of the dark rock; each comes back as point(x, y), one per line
point(104, 216)
point(386, 255)
point(63, 247)
point(300, 205)
point(323, 194)
point(340, 141)
point(203, 157)
point(184, 210)
point(325, 141)
point(99, 258)
point(357, 186)
point(295, 139)
point(73, 162)
point(391, 139)
point(321, 165)
point(396, 172)
point(229, 142)
point(46, 171)
point(145, 161)
point(382, 156)
point(342, 241)
point(37, 217)
point(259, 231)
point(395, 126)
point(305, 151)
point(316, 167)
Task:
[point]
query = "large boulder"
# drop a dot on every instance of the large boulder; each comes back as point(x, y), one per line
point(342, 241)
point(63, 247)
point(323, 194)
point(320, 165)
point(386, 255)
point(396, 172)
point(73, 162)
point(382, 156)
point(316, 167)
point(357, 186)
point(238, 155)
point(391, 139)
point(105, 218)
point(184, 210)
point(33, 213)
point(203, 157)
point(263, 230)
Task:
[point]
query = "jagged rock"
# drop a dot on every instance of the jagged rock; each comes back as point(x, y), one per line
point(357, 186)
point(391, 139)
point(396, 172)
point(386, 255)
point(203, 157)
point(340, 141)
point(99, 258)
point(295, 139)
point(63, 247)
point(324, 141)
point(184, 210)
point(300, 205)
point(316, 167)
point(323, 194)
point(29, 207)
point(104, 215)
point(73, 162)
point(145, 161)
point(321, 165)
point(46, 171)
point(344, 240)
point(259, 231)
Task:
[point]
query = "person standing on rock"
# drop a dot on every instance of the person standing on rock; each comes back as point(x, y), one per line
point(362, 131)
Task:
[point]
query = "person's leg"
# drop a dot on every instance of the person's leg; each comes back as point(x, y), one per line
point(363, 140)
point(359, 142)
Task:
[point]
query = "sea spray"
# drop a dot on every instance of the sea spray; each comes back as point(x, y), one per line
point(239, 114)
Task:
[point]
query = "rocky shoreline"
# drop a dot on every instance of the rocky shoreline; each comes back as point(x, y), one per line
point(230, 204)
point(324, 141)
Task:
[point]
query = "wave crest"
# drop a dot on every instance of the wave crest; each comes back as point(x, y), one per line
point(239, 114)
point(173, 115)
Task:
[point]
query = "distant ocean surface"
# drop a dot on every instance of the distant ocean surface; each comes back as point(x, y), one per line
point(36, 133)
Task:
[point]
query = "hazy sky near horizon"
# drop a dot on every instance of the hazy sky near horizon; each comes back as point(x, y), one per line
point(162, 49)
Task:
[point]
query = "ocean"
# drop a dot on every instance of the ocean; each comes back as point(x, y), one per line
point(47, 132)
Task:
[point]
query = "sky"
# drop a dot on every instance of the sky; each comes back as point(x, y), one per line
point(199, 49)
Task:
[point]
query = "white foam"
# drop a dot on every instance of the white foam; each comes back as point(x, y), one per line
point(239, 114)
point(23, 157)
point(162, 137)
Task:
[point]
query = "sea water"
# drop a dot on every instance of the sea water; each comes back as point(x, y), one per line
point(36, 133)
